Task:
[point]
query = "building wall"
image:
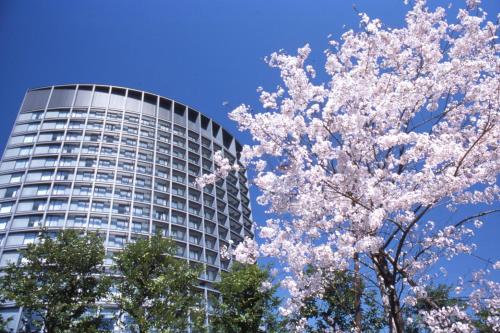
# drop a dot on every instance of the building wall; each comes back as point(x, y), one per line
point(121, 162)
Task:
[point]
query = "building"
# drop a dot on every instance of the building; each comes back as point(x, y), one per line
point(122, 162)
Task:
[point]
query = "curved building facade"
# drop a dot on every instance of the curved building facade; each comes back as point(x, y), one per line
point(121, 162)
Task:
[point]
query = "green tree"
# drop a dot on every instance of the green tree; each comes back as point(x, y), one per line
point(337, 309)
point(158, 291)
point(58, 281)
point(247, 301)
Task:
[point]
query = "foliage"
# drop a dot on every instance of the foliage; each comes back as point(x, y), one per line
point(363, 165)
point(57, 281)
point(3, 324)
point(157, 290)
point(336, 309)
point(248, 302)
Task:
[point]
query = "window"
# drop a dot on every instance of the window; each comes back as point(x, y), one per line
point(33, 127)
point(55, 220)
point(179, 165)
point(89, 149)
point(72, 148)
point(125, 179)
point(102, 191)
point(39, 205)
point(195, 223)
point(178, 204)
point(24, 151)
point(27, 221)
point(177, 218)
point(95, 222)
point(178, 233)
point(123, 194)
point(16, 177)
point(60, 190)
point(3, 223)
point(6, 207)
point(116, 241)
point(78, 114)
point(163, 161)
point(76, 124)
point(132, 119)
point(67, 161)
point(211, 274)
point(195, 238)
point(79, 205)
point(77, 221)
point(29, 138)
point(161, 187)
point(44, 175)
point(57, 204)
point(119, 224)
point(37, 115)
point(161, 201)
point(121, 208)
point(104, 176)
point(73, 136)
point(42, 190)
point(210, 242)
point(100, 206)
point(85, 175)
point(82, 190)
point(139, 227)
point(194, 254)
point(179, 142)
point(20, 164)
point(178, 177)
point(180, 191)
point(161, 214)
point(11, 192)
point(63, 175)
point(162, 173)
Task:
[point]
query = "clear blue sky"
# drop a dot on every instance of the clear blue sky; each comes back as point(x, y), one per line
point(199, 52)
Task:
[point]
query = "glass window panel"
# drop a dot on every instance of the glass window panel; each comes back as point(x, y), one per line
point(117, 99)
point(100, 97)
point(133, 101)
point(62, 97)
point(83, 96)
point(36, 99)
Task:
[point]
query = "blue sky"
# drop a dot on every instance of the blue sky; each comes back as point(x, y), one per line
point(201, 52)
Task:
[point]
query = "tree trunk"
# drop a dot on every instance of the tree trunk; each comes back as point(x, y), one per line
point(396, 320)
point(357, 295)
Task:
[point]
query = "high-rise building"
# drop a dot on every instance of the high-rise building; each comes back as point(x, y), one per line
point(121, 162)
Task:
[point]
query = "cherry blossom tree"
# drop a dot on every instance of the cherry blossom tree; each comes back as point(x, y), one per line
point(352, 169)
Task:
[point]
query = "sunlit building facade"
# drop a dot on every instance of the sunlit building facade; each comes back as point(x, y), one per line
point(121, 162)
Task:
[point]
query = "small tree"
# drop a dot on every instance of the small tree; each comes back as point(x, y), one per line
point(57, 281)
point(248, 302)
point(157, 290)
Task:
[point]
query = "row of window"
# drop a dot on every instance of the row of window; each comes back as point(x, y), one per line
point(110, 116)
point(124, 193)
point(122, 224)
point(102, 176)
